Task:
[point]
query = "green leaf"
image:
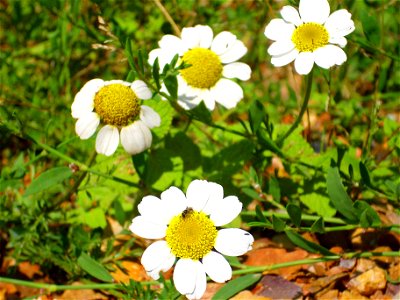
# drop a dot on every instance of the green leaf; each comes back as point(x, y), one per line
point(235, 286)
point(48, 179)
point(260, 215)
point(165, 111)
point(156, 73)
point(278, 224)
point(201, 113)
point(171, 83)
point(370, 25)
point(339, 197)
point(256, 115)
point(140, 60)
point(181, 145)
point(318, 226)
point(95, 218)
point(364, 174)
point(140, 162)
point(274, 189)
point(129, 54)
point(298, 240)
point(368, 216)
point(319, 204)
point(93, 268)
point(295, 214)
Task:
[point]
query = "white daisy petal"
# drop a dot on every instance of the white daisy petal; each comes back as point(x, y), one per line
point(116, 81)
point(83, 104)
point(86, 125)
point(304, 62)
point(314, 11)
point(291, 15)
point(189, 102)
point(198, 36)
point(141, 90)
point(281, 47)
point(156, 258)
point(147, 228)
point(278, 29)
point(136, 137)
point(190, 278)
point(207, 97)
point(90, 89)
point(174, 202)
point(172, 44)
point(340, 40)
point(149, 116)
point(217, 267)
point(152, 208)
point(236, 51)
point(329, 55)
point(107, 140)
point(225, 210)
point(339, 23)
point(222, 42)
point(164, 57)
point(238, 70)
point(227, 93)
point(283, 60)
point(233, 241)
point(202, 195)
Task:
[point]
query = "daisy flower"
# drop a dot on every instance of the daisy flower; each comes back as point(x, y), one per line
point(309, 37)
point(213, 63)
point(186, 226)
point(116, 105)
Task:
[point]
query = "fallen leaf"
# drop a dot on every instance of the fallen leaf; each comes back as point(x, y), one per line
point(247, 295)
point(276, 287)
point(133, 270)
point(81, 294)
point(270, 256)
point(28, 269)
point(329, 295)
point(351, 295)
point(364, 265)
point(394, 272)
point(212, 288)
point(368, 282)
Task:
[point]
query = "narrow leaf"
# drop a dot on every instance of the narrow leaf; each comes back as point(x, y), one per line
point(156, 73)
point(201, 113)
point(318, 226)
point(235, 286)
point(295, 214)
point(93, 268)
point(278, 224)
point(298, 240)
point(368, 216)
point(48, 179)
point(260, 215)
point(256, 115)
point(364, 174)
point(171, 83)
point(339, 197)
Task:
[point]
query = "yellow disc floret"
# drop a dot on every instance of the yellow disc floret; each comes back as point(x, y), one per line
point(309, 37)
point(116, 104)
point(191, 235)
point(205, 68)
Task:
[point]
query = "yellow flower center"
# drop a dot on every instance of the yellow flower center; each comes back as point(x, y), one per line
point(205, 69)
point(116, 104)
point(191, 235)
point(309, 37)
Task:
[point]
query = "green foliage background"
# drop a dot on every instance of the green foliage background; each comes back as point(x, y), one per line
point(56, 195)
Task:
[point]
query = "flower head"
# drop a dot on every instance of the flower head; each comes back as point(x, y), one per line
point(116, 104)
point(309, 37)
point(212, 63)
point(187, 228)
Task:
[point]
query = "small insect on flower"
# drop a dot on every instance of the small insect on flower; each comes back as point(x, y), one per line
point(187, 212)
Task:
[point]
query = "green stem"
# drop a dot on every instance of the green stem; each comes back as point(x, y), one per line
point(82, 167)
point(302, 110)
point(55, 287)
point(286, 216)
point(260, 269)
